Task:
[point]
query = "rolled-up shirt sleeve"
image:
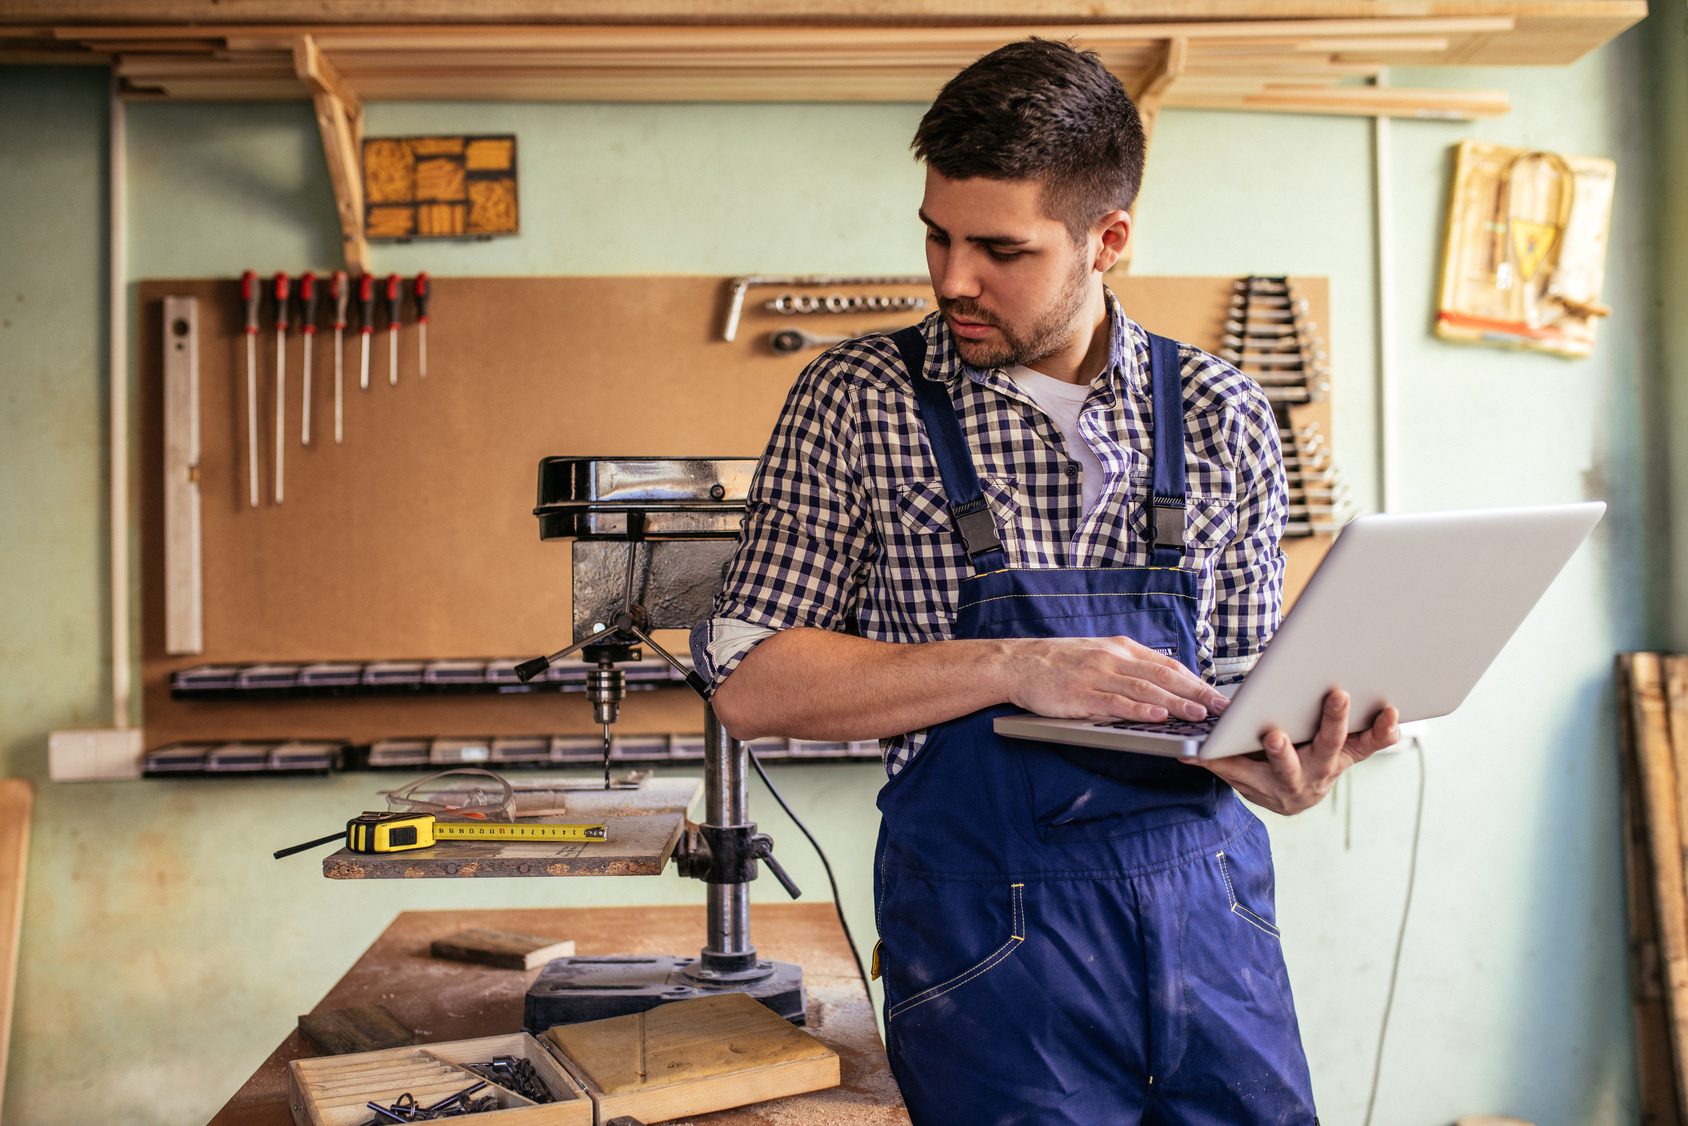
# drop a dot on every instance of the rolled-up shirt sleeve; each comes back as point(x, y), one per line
point(1249, 572)
point(807, 537)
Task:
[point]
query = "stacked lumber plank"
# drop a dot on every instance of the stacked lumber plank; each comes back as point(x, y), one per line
point(1653, 716)
point(1260, 58)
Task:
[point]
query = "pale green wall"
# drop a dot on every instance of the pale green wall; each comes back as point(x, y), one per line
point(1669, 89)
point(165, 953)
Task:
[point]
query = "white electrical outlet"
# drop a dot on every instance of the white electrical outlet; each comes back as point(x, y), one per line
point(1416, 732)
point(105, 754)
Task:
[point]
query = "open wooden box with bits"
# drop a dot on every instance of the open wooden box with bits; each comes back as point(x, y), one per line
point(337, 1090)
point(677, 1060)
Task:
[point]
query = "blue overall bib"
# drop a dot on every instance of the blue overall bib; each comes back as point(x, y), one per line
point(1069, 935)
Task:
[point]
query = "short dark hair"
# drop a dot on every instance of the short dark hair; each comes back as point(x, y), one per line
point(1040, 110)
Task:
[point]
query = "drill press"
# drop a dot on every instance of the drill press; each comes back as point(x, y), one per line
point(651, 539)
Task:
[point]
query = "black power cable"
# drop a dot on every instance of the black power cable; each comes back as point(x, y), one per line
point(837, 903)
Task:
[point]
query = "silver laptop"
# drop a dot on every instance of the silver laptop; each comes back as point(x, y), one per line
point(1403, 610)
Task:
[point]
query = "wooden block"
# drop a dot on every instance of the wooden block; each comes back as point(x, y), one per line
point(362, 1028)
point(391, 222)
point(693, 1057)
point(504, 949)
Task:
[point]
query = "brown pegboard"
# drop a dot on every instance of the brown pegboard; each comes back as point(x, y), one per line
point(415, 538)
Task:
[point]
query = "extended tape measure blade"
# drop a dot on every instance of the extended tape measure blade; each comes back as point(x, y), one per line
point(516, 831)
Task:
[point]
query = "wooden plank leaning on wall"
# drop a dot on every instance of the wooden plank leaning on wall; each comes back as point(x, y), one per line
point(1653, 715)
point(16, 797)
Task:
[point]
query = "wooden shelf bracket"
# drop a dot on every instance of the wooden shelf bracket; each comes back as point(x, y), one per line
point(339, 114)
point(1149, 95)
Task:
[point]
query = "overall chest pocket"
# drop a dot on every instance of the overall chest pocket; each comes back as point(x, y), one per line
point(1079, 794)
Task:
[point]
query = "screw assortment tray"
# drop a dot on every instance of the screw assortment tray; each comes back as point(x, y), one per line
point(337, 1090)
point(674, 1061)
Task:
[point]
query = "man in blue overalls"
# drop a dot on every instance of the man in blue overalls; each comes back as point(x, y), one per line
point(1029, 501)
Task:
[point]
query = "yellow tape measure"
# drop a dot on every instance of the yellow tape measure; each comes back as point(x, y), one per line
point(379, 831)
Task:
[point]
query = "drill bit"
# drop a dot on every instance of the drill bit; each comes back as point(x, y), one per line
point(606, 756)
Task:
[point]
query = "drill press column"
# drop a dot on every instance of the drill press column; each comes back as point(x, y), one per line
point(651, 537)
point(726, 798)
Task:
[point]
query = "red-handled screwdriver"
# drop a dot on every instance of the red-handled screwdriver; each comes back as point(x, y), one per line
point(366, 322)
point(307, 329)
point(249, 296)
point(392, 294)
point(340, 293)
point(282, 289)
point(420, 292)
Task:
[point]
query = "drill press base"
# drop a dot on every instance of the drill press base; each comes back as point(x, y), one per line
point(570, 990)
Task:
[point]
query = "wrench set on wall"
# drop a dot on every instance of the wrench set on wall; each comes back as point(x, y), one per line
point(791, 304)
point(298, 307)
point(1270, 337)
point(1268, 334)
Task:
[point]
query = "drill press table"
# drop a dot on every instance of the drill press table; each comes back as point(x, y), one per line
point(445, 1000)
point(644, 825)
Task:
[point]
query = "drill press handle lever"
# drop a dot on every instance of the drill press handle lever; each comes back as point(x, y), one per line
point(727, 854)
point(624, 625)
point(762, 847)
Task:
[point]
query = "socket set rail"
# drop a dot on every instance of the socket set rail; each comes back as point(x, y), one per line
point(292, 757)
point(270, 680)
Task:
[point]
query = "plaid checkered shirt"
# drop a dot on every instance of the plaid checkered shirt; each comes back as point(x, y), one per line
point(847, 526)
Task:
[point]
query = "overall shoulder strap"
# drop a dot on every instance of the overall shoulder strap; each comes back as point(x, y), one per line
point(968, 509)
point(1169, 493)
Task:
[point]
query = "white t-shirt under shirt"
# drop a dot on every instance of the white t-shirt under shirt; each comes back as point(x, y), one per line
point(1062, 401)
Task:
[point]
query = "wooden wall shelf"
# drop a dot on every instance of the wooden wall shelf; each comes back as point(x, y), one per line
point(1279, 57)
point(1202, 54)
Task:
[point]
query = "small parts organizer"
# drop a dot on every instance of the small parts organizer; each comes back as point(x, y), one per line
point(338, 1090)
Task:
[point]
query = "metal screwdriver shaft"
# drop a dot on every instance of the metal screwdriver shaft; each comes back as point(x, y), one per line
point(340, 293)
point(249, 296)
point(307, 329)
point(282, 289)
point(420, 291)
point(366, 323)
point(394, 302)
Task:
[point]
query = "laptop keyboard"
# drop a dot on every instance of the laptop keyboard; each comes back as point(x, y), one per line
point(1171, 727)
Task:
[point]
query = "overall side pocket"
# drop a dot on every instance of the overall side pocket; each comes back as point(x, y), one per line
point(922, 947)
point(1238, 908)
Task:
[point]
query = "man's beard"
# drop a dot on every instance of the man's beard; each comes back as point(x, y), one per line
point(1050, 333)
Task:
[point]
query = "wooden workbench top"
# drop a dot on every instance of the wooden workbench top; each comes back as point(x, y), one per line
point(444, 1000)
